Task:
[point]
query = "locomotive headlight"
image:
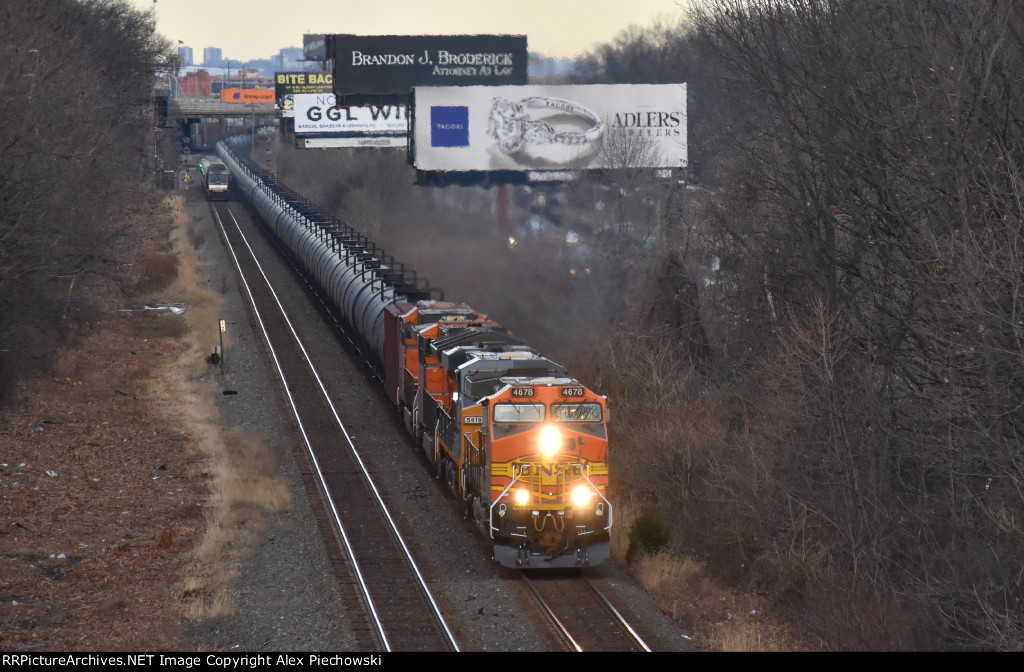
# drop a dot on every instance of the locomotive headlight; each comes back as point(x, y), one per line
point(581, 496)
point(550, 441)
point(522, 497)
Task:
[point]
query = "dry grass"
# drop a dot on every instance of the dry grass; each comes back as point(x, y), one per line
point(244, 475)
point(101, 495)
point(159, 269)
point(125, 508)
point(665, 571)
point(717, 618)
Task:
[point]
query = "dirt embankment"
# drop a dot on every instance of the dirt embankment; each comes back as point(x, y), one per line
point(124, 505)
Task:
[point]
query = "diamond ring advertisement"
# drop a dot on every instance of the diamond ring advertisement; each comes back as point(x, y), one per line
point(548, 127)
point(511, 126)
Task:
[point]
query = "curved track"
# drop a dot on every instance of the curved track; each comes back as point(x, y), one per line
point(401, 613)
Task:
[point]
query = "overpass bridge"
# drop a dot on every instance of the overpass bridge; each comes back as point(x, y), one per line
point(194, 109)
point(204, 120)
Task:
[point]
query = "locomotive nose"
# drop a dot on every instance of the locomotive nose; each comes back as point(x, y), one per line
point(550, 541)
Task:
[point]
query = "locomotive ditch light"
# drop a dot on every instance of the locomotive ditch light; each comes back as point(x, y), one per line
point(550, 440)
point(522, 497)
point(581, 496)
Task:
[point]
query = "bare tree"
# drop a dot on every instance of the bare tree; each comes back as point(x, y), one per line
point(878, 146)
point(76, 80)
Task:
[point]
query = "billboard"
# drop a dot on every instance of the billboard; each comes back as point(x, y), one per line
point(318, 113)
point(247, 96)
point(288, 84)
point(534, 128)
point(316, 47)
point(392, 64)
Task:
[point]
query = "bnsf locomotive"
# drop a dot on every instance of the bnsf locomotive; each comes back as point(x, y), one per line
point(522, 443)
point(216, 178)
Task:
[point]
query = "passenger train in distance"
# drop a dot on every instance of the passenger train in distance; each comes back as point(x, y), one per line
point(520, 442)
point(216, 178)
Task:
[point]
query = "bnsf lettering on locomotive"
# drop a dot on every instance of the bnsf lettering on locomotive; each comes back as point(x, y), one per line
point(522, 392)
point(572, 391)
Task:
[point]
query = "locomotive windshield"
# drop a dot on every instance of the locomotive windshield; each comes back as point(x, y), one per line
point(588, 412)
point(519, 412)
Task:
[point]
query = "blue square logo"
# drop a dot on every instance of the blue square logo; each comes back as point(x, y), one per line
point(449, 126)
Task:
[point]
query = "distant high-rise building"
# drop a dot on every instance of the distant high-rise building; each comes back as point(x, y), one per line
point(213, 57)
point(185, 54)
point(290, 58)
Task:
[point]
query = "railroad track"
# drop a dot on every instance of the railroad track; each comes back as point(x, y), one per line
point(400, 612)
point(584, 618)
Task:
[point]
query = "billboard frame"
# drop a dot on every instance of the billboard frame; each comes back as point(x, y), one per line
point(546, 131)
point(376, 68)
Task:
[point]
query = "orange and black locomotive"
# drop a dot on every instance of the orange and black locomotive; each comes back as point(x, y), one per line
point(522, 443)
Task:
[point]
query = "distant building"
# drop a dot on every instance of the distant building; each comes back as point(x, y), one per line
point(289, 59)
point(185, 54)
point(196, 83)
point(213, 57)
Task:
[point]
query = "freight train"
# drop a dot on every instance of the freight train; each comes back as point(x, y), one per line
point(216, 178)
point(520, 442)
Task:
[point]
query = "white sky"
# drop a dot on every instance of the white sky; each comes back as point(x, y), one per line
point(251, 29)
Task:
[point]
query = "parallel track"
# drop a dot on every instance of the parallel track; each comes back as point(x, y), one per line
point(401, 613)
point(585, 619)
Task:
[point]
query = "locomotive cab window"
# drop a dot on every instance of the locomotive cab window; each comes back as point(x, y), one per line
point(586, 412)
point(519, 412)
